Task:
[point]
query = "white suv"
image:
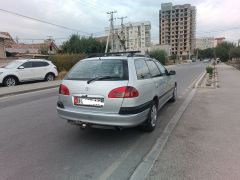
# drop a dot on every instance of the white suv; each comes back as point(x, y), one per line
point(27, 70)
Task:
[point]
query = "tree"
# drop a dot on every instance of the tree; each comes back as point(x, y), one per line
point(235, 52)
point(43, 50)
point(77, 44)
point(159, 55)
point(206, 53)
point(223, 50)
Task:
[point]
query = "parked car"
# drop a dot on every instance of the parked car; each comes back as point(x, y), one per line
point(206, 60)
point(188, 61)
point(116, 91)
point(27, 70)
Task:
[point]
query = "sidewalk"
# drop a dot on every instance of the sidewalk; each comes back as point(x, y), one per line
point(206, 142)
point(24, 88)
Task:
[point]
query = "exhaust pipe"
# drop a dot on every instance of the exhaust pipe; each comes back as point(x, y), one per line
point(83, 126)
point(119, 129)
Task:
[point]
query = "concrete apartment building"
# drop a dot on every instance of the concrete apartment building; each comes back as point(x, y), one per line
point(205, 43)
point(178, 28)
point(208, 42)
point(219, 40)
point(3, 39)
point(137, 36)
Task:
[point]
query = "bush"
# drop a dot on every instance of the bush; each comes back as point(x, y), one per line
point(159, 55)
point(77, 44)
point(209, 70)
point(65, 62)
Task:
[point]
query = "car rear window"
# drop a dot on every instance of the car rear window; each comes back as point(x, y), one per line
point(88, 69)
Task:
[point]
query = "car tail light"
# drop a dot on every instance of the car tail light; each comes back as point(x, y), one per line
point(64, 90)
point(124, 92)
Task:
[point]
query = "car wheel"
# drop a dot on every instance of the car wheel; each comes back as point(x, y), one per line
point(49, 77)
point(173, 99)
point(151, 121)
point(10, 81)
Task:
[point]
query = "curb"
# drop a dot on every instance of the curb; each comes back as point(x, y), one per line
point(144, 167)
point(200, 79)
point(27, 91)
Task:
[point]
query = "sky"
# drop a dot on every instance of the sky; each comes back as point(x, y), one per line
point(215, 18)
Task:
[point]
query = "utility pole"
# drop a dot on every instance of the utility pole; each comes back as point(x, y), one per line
point(111, 31)
point(122, 37)
point(238, 42)
point(197, 54)
point(50, 39)
point(17, 39)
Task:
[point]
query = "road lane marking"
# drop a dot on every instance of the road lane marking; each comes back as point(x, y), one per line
point(110, 170)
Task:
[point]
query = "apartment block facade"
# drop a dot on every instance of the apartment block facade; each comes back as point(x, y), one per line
point(177, 27)
point(205, 43)
point(137, 36)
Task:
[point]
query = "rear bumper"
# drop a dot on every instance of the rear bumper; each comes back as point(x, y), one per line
point(118, 120)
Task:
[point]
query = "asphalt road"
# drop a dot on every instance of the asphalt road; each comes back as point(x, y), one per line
point(36, 144)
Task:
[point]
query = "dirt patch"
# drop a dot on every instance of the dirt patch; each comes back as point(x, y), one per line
point(235, 64)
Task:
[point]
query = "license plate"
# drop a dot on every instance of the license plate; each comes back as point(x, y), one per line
point(88, 101)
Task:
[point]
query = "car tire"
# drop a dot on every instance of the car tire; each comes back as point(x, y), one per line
point(173, 99)
point(49, 77)
point(10, 81)
point(150, 123)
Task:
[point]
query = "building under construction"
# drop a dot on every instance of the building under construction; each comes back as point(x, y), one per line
point(178, 28)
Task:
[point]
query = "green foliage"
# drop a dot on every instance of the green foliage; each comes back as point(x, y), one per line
point(77, 44)
point(235, 52)
point(209, 70)
point(173, 57)
point(64, 62)
point(223, 50)
point(206, 53)
point(159, 55)
point(43, 50)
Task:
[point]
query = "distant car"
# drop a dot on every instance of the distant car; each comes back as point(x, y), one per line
point(206, 60)
point(27, 70)
point(189, 61)
point(116, 91)
point(194, 60)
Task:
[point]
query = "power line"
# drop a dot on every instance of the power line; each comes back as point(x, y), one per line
point(220, 30)
point(42, 21)
point(99, 6)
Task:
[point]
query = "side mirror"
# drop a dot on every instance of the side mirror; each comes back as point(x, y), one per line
point(172, 72)
point(20, 67)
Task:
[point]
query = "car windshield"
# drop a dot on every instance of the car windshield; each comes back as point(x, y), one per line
point(89, 69)
point(13, 65)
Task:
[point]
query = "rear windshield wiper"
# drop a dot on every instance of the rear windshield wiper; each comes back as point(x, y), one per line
point(101, 78)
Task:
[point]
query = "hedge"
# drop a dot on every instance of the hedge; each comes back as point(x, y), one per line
point(159, 55)
point(65, 62)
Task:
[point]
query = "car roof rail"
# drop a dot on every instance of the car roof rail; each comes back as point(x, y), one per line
point(140, 55)
point(124, 53)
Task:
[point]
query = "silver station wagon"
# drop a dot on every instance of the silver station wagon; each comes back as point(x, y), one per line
point(116, 91)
